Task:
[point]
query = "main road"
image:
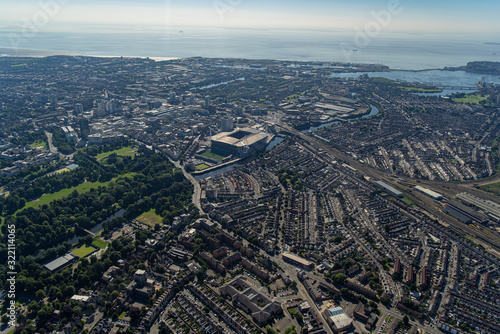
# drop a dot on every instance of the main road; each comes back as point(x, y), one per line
point(196, 184)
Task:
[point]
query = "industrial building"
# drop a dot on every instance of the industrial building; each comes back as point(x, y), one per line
point(464, 213)
point(490, 208)
point(389, 189)
point(430, 193)
point(240, 142)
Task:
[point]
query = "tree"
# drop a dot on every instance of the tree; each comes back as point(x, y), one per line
point(339, 278)
point(114, 295)
point(40, 294)
point(270, 330)
point(406, 320)
point(300, 319)
point(135, 313)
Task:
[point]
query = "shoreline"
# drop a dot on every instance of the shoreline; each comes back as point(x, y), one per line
point(11, 52)
point(6, 52)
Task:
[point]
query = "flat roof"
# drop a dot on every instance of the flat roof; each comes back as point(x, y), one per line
point(79, 298)
point(486, 205)
point(389, 188)
point(298, 259)
point(59, 262)
point(428, 192)
point(341, 321)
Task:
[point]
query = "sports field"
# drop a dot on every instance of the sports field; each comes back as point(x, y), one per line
point(83, 251)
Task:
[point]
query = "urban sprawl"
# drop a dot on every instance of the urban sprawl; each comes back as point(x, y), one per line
point(241, 196)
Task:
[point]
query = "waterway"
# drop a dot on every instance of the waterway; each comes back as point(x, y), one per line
point(241, 67)
point(273, 143)
point(99, 227)
point(430, 77)
point(215, 172)
point(217, 84)
point(374, 111)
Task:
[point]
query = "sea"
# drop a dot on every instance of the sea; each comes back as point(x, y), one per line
point(410, 52)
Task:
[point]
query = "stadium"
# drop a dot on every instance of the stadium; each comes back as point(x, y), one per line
point(240, 142)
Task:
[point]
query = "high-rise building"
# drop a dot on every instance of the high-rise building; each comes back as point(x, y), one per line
point(227, 125)
point(84, 127)
point(78, 109)
point(101, 109)
point(53, 99)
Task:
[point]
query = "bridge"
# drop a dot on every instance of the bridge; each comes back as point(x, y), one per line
point(458, 87)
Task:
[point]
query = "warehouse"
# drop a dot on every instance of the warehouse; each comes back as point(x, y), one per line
point(430, 193)
point(491, 208)
point(391, 190)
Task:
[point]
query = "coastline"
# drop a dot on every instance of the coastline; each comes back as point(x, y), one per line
point(36, 53)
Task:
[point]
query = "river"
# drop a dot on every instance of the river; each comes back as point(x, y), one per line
point(374, 111)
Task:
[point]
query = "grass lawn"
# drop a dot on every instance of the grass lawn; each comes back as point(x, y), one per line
point(124, 151)
point(39, 144)
point(81, 188)
point(202, 166)
point(212, 155)
point(63, 170)
point(471, 99)
point(407, 200)
point(83, 251)
point(48, 198)
point(98, 243)
point(150, 218)
point(124, 316)
point(422, 89)
point(491, 188)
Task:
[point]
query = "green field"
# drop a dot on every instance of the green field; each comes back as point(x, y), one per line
point(63, 170)
point(422, 89)
point(83, 251)
point(212, 155)
point(150, 218)
point(407, 200)
point(48, 198)
point(124, 151)
point(98, 243)
point(493, 188)
point(39, 144)
point(471, 99)
point(81, 188)
point(202, 166)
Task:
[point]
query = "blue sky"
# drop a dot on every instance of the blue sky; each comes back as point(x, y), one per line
point(405, 16)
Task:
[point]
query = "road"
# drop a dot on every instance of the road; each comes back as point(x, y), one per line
point(52, 148)
point(423, 327)
point(197, 188)
point(97, 317)
point(291, 271)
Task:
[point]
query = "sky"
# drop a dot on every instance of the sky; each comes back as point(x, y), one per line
point(390, 16)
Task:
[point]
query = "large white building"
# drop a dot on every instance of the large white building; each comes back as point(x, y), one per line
point(227, 125)
point(240, 142)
